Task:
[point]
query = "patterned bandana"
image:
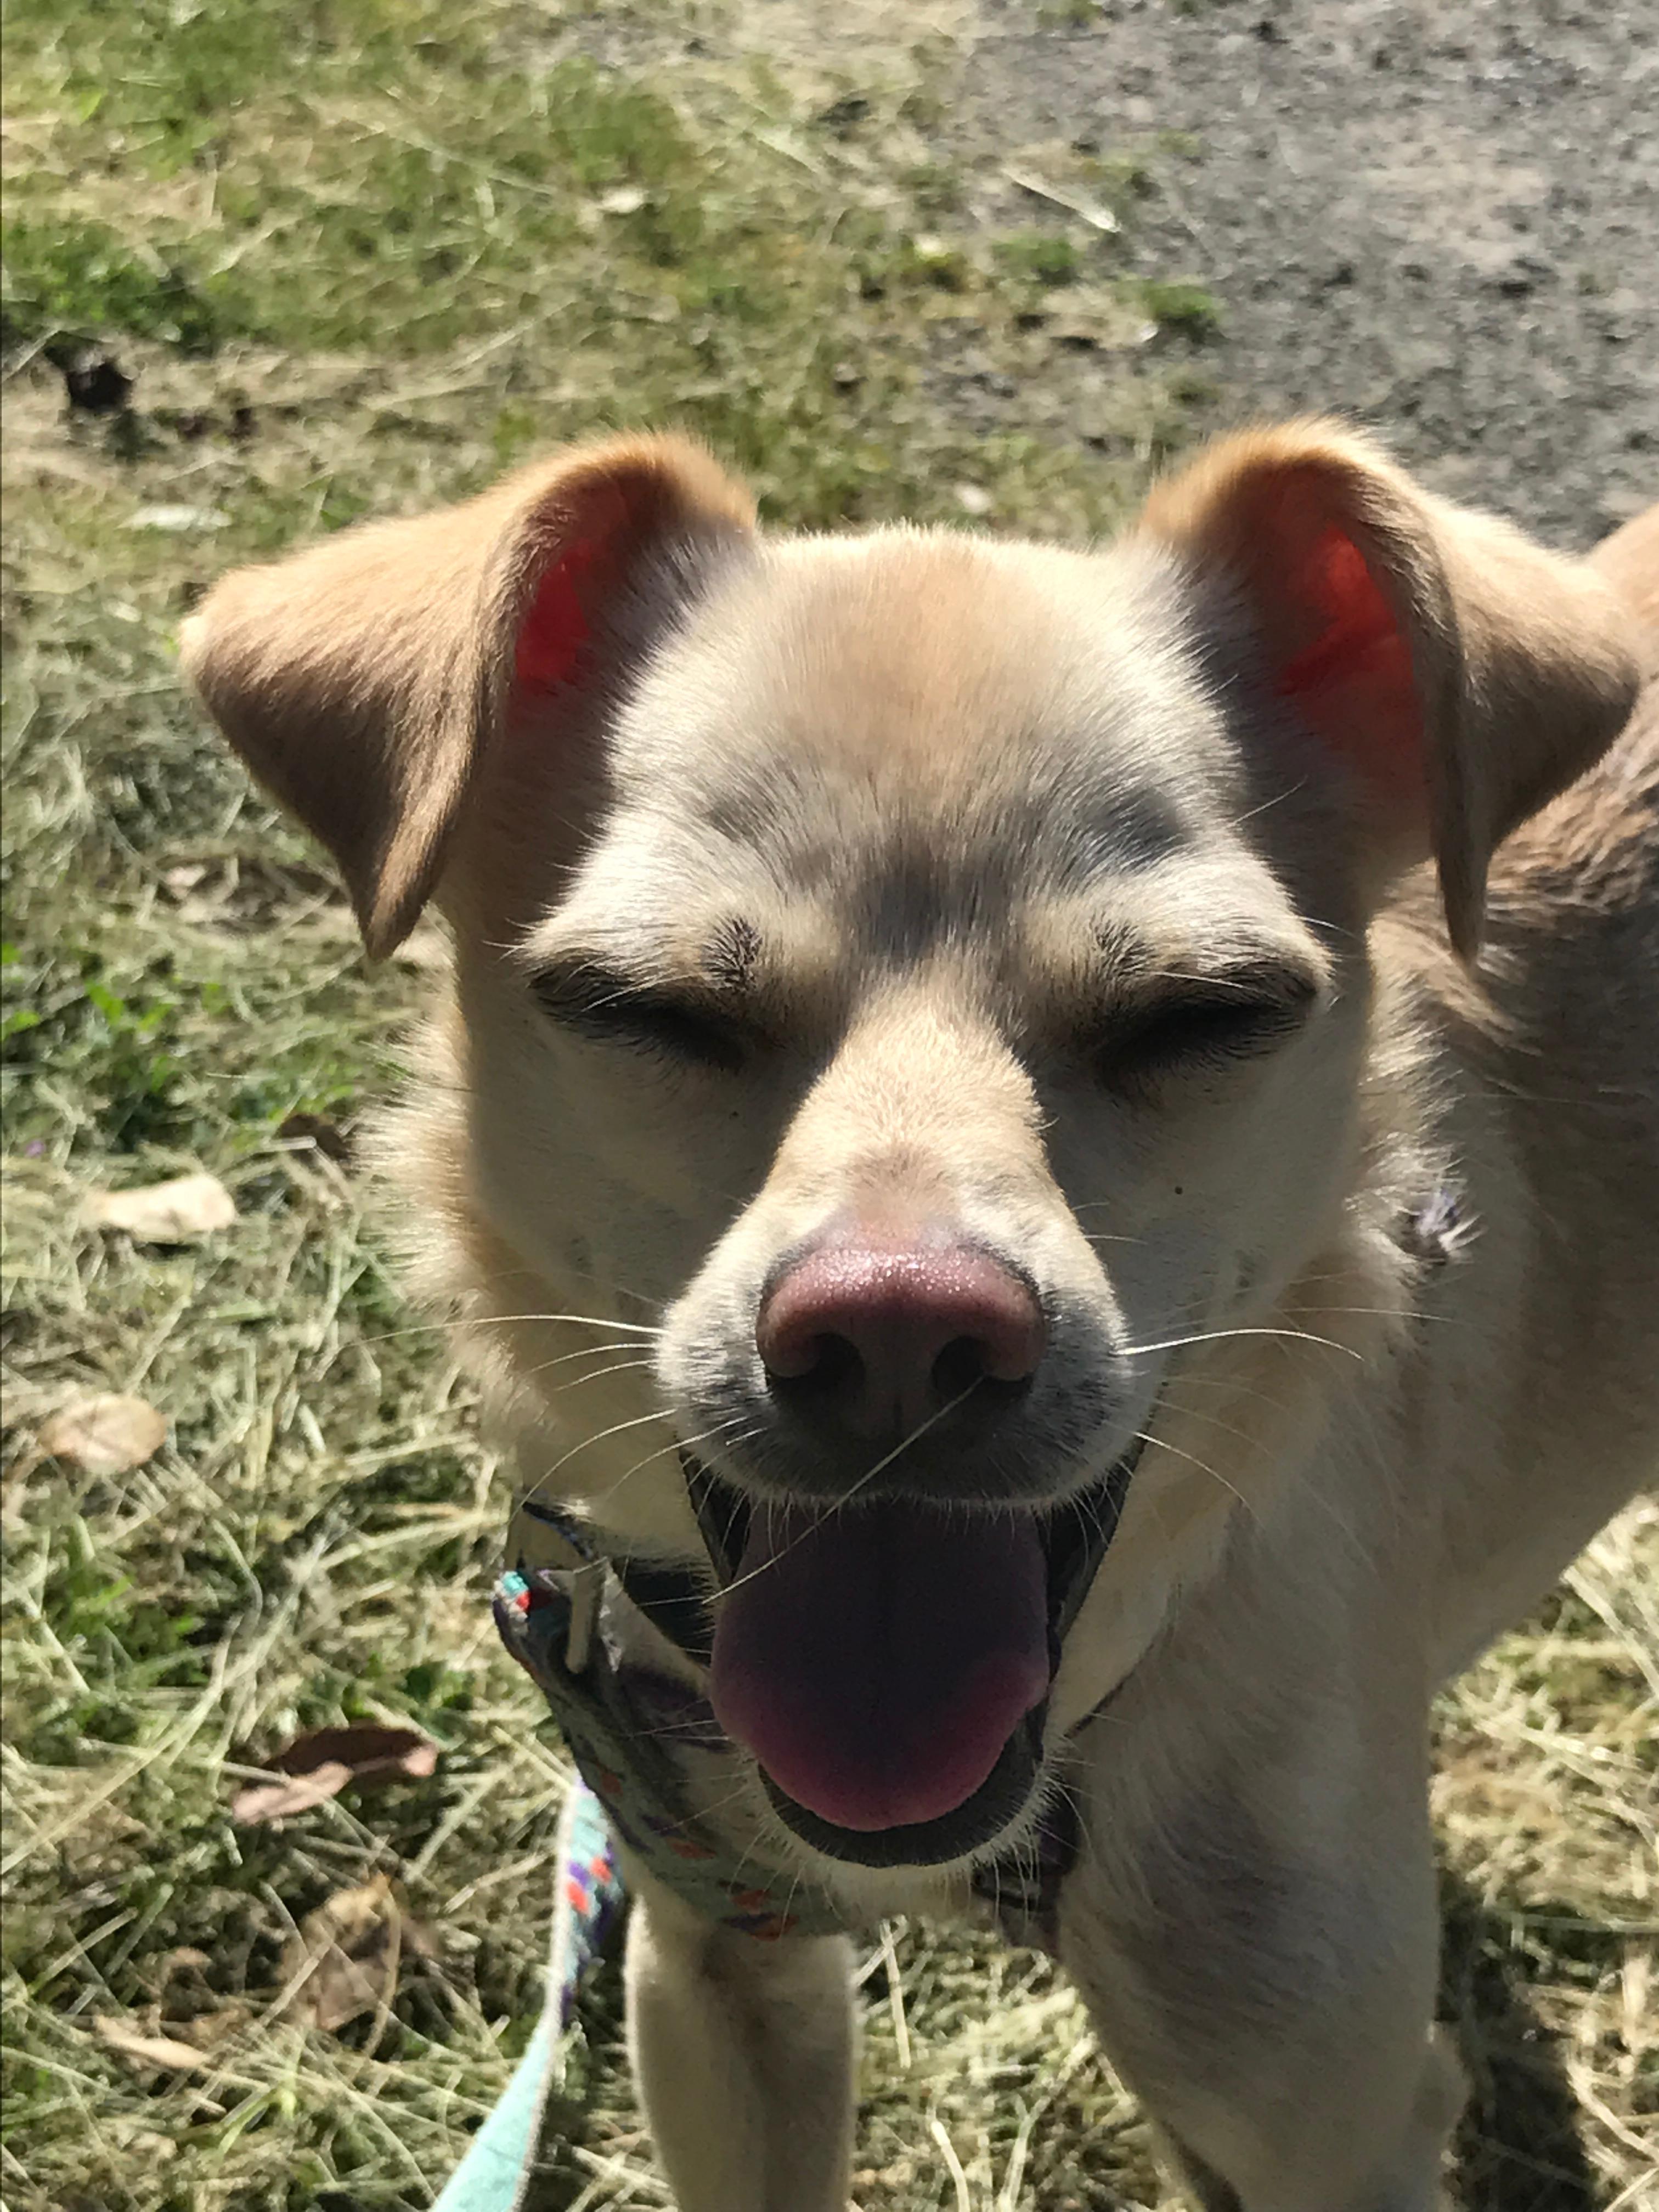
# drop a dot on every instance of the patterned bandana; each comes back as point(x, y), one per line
point(624, 1724)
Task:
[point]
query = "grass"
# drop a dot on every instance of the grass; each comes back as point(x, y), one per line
point(358, 255)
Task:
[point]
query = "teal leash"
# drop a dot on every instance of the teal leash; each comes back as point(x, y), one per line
point(502, 2160)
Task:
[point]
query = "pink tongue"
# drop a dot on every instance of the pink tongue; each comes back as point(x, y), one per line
point(877, 1660)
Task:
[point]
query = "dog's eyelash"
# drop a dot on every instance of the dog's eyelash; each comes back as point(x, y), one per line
point(1225, 1021)
point(614, 1009)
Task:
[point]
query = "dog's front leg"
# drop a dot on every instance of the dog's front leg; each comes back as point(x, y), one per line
point(1273, 2013)
point(743, 2053)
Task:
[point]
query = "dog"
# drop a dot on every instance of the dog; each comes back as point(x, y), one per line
point(1069, 1139)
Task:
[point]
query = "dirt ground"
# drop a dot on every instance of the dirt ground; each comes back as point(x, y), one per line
point(1441, 216)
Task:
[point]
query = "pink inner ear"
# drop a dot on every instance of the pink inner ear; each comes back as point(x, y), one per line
point(1335, 584)
point(555, 631)
point(1353, 681)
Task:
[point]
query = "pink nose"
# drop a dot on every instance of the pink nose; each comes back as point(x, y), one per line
point(883, 1337)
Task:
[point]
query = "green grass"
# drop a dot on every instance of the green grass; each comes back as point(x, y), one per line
point(359, 256)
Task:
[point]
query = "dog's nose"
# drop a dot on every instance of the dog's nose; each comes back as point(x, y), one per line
point(883, 1338)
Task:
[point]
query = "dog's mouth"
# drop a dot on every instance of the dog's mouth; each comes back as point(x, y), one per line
point(888, 1665)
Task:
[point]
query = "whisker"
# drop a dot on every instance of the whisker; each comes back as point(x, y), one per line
point(1162, 1444)
point(1210, 1420)
point(1391, 1313)
point(598, 1374)
point(586, 1321)
point(445, 1327)
point(1307, 1486)
point(583, 1351)
point(1226, 1335)
point(678, 1443)
point(616, 1429)
point(840, 1504)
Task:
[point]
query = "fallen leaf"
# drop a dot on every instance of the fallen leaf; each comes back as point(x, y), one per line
point(365, 1747)
point(165, 1213)
point(320, 1762)
point(105, 1435)
point(145, 2049)
point(1092, 211)
point(175, 519)
point(623, 199)
point(279, 1801)
point(342, 1959)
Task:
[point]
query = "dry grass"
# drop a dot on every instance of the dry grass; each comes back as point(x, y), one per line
point(358, 256)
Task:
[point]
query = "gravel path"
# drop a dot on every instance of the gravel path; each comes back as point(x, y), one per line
point(1441, 216)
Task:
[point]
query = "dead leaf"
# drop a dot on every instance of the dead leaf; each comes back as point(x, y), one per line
point(104, 1435)
point(366, 1748)
point(1092, 211)
point(320, 1762)
point(145, 2049)
point(173, 520)
point(279, 1801)
point(343, 1957)
point(173, 1212)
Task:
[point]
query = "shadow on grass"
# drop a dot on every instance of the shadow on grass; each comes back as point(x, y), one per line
point(1518, 2145)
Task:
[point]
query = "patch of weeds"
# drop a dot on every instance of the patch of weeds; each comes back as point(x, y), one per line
point(642, 259)
point(117, 1050)
point(1186, 307)
point(1125, 175)
point(935, 187)
point(82, 278)
point(937, 263)
point(845, 113)
point(441, 180)
point(1042, 258)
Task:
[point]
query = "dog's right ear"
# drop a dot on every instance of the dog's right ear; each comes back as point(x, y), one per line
point(365, 680)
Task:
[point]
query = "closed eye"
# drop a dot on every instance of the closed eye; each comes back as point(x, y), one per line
point(1206, 1023)
point(677, 1024)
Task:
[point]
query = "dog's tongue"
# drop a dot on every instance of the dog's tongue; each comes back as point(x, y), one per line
point(876, 1660)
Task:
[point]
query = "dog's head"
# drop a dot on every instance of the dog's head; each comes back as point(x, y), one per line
point(916, 989)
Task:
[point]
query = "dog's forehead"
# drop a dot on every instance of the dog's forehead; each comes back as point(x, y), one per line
point(918, 734)
point(943, 691)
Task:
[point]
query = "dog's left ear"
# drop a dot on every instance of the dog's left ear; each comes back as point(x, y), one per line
point(1463, 674)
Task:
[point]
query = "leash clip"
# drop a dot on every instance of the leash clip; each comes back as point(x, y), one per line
point(557, 1546)
point(587, 1595)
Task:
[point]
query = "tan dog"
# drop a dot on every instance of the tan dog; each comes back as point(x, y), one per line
point(972, 1024)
